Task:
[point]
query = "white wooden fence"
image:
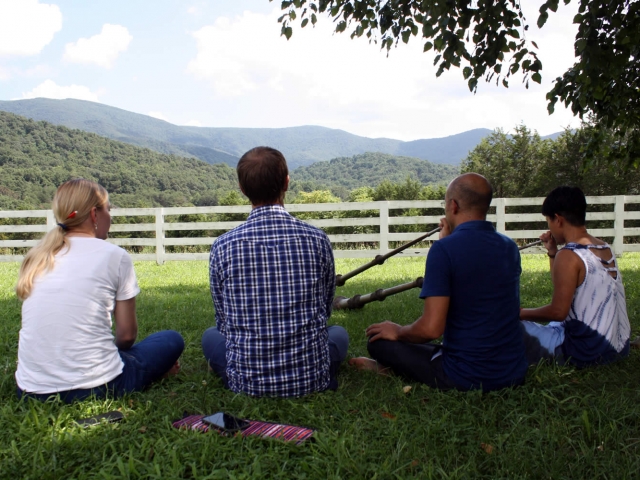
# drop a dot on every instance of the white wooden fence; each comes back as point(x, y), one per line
point(615, 214)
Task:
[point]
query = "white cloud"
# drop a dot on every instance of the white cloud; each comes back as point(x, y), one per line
point(157, 115)
point(27, 26)
point(102, 49)
point(328, 79)
point(193, 123)
point(49, 89)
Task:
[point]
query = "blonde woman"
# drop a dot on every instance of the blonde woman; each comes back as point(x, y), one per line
point(72, 283)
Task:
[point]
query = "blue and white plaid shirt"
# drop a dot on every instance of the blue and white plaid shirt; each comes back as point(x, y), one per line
point(272, 283)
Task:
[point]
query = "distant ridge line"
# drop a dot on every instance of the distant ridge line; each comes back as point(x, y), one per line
point(302, 145)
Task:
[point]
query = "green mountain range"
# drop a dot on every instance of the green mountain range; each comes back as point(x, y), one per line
point(370, 169)
point(36, 157)
point(302, 146)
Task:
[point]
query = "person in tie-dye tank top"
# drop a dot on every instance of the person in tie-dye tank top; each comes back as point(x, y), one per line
point(588, 313)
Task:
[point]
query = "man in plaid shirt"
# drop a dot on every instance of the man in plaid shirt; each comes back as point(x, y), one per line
point(272, 282)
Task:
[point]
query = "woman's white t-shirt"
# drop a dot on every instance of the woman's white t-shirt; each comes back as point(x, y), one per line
point(66, 341)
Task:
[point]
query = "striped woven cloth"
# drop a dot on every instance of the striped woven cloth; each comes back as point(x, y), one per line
point(287, 433)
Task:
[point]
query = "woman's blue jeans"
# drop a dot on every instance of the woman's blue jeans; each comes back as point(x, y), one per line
point(144, 363)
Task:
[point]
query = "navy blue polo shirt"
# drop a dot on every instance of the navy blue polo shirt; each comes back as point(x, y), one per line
point(479, 270)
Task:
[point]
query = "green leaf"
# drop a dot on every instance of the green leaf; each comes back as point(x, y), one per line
point(406, 35)
point(427, 46)
point(542, 19)
point(304, 22)
point(536, 77)
point(287, 32)
point(580, 45)
point(467, 72)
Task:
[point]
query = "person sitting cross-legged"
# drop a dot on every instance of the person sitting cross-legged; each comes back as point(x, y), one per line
point(72, 284)
point(471, 298)
point(272, 282)
point(588, 313)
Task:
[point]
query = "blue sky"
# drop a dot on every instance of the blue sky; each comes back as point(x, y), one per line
point(223, 63)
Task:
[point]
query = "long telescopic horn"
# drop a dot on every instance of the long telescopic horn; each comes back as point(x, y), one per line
point(359, 301)
point(379, 259)
point(532, 244)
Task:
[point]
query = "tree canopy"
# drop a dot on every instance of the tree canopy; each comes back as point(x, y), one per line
point(524, 165)
point(486, 38)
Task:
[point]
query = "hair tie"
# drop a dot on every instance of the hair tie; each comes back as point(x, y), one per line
point(71, 215)
point(63, 226)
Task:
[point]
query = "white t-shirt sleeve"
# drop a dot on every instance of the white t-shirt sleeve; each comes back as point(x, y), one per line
point(127, 281)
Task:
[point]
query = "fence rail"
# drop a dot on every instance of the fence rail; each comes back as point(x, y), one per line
point(380, 215)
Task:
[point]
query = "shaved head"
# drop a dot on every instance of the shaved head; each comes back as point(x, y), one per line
point(472, 192)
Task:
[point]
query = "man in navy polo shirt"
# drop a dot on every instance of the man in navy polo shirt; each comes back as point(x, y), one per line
point(471, 290)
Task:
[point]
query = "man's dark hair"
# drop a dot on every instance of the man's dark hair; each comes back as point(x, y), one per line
point(569, 202)
point(262, 174)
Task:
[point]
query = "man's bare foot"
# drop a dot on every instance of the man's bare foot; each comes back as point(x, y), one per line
point(635, 343)
point(364, 363)
point(173, 371)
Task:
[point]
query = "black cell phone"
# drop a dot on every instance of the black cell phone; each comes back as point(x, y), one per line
point(224, 421)
point(109, 417)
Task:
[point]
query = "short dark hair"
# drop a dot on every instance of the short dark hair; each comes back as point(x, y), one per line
point(569, 202)
point(262, 174)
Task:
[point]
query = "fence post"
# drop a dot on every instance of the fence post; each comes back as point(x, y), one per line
point(160, 236)
point(384, 227)
point(618, 225)
point(51, 220)
point(500, 216)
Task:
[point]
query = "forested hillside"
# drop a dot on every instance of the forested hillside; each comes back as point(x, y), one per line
point(371, 169)
point(525, 165)
point(301, 145)
point(36, 157)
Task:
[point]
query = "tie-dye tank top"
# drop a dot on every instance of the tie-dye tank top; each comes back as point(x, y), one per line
point(597, 328)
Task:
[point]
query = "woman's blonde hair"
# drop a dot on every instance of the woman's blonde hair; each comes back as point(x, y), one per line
point(71, 206)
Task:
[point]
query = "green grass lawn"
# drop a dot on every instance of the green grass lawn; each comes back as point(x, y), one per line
point(564, 423)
